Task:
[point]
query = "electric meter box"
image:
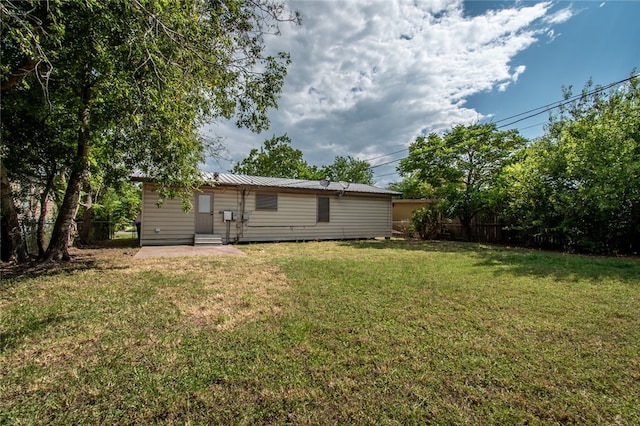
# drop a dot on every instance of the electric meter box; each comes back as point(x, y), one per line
point(227, 215)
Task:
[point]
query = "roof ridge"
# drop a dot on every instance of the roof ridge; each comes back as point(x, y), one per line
point(271, 181)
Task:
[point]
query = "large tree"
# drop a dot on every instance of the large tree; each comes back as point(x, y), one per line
point(348, 169)
point(140, 77)
point(36, 154)
point(277, 158)
point(464, 167)
point(579, 185)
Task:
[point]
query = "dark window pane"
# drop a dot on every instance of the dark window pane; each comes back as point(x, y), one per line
point(323, 209)
point(266, 201)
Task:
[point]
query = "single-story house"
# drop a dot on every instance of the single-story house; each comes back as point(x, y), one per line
point(236, 208)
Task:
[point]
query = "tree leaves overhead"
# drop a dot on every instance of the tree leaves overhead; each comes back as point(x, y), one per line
point(138, 78)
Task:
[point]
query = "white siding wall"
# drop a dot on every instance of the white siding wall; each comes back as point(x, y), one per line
point(225, 199)
point(174, 225)
point(351, 216)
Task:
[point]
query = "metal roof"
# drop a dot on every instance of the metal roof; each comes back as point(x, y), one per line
point(271, 182)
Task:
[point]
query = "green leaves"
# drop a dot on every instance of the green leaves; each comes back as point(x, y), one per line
point(348, 169)
point(576, 188)
point(425, 222)
point(277, 158)
point(464, 167)
point(579, 185)
point(145, 74)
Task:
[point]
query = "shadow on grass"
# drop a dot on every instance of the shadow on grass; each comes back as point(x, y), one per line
point(11, 274)
point(562, 266)
point(12, 339)
point(521, 261)
point(82, 258)
point(441, 246)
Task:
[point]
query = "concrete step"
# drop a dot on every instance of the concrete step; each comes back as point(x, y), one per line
point(207, 240)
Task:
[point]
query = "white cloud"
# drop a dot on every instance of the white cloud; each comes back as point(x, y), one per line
point(560, 16)
point(368, 76)
point(519, 70)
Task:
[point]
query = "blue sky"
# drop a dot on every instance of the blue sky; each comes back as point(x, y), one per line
point(600, 41)
point(368, 76)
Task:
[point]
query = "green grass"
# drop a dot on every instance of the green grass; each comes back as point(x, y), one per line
point(368, 332)
point(126, 234)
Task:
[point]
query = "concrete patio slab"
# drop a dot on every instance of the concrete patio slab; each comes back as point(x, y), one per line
point(148, 252)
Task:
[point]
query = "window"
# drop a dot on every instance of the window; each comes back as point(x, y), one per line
point(204, 203)
point(323, 209)
point(267, 202)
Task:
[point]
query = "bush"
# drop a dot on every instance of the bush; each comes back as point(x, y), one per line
point(425, 222)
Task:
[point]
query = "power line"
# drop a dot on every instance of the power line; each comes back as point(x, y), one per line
point(533, 125)
point(387, 174)
point(559, 104)
point(385, 155)
point(387, 163)
point(540, 110)
point(572, 98)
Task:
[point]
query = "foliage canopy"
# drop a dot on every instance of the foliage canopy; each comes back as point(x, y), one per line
point(464, 167)
point(277, 158)
point(579, 185)
point(133, 82)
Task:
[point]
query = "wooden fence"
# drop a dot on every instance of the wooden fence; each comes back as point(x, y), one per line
point(452, 230)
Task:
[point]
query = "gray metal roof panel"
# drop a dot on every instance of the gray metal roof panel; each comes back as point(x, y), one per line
point(271, 182)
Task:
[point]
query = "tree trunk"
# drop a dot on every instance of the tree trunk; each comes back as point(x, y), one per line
point(84, 231)
point(59, 245)
point(18, 74)
point(42, 219)
point(13, 247)
point(467, 232)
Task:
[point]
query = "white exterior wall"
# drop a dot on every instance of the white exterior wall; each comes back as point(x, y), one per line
point(225, 199)
point(164, 225)
point(350, 216)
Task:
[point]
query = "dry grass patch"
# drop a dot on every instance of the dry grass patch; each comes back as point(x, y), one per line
point(235, 292)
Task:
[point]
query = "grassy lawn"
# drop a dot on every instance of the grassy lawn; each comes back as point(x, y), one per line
point(369, 332)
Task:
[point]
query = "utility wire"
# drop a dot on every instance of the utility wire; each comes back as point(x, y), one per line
point(550, 107)
point(385, 155)
point(533, 125)
point(387, 174)
point(540, 110)
point(572, 98)
point(387, 163)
